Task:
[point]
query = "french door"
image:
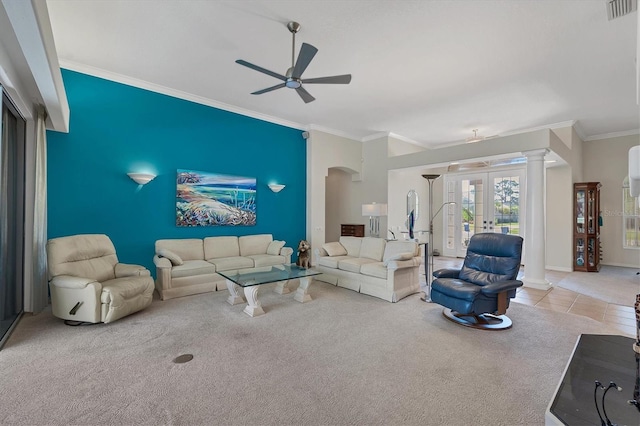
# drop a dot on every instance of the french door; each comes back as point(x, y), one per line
point(484, 202)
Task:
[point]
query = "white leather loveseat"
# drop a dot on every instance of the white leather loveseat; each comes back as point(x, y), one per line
point(389, 270)
point(190, 266)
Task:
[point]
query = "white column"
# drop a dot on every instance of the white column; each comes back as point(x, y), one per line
point(534, 237)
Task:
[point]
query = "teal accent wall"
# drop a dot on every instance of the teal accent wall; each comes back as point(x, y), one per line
point(116, 129)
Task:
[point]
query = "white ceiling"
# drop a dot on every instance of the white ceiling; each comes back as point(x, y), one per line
point(428, 71)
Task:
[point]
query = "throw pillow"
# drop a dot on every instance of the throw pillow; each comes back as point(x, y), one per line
point(334, 249)
point(274, 247)
point(399, 256)
point(173, 258)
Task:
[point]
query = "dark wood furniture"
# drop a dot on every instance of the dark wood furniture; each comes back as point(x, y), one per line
point(351, 230)
point(587, 250)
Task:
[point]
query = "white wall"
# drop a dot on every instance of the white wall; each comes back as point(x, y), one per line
point(325, 151)
point(559, 218)
point(374, 177)
point(607, 161)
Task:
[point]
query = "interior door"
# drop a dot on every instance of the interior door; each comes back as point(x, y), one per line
point(485, 202)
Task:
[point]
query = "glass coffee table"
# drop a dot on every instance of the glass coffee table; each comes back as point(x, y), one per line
point(251, 279)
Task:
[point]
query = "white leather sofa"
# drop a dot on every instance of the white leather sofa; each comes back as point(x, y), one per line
point(190, 266)
point(389, 270)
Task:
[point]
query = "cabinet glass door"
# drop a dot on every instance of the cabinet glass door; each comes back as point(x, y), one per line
point(580, 211)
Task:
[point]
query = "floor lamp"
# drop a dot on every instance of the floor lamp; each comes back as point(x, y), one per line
point(428, 267)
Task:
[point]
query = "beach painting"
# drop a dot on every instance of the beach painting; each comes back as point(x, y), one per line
point(211, 199)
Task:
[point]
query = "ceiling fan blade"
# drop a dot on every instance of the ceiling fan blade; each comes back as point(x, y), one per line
point(269, 89)
point(262, 70)
point(307, 52)
point(306, 97)
point(334, 79)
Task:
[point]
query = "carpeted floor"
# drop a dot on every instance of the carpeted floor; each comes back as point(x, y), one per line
point(343, 358)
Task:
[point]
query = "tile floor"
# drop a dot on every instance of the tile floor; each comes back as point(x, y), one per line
point(620, 318)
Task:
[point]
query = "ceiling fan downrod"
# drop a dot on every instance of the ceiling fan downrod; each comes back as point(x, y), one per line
point(294, 27)
point(293, 83)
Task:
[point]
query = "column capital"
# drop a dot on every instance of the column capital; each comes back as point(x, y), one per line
point(536, 153)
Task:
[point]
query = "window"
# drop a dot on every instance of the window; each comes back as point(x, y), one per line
point(630, 218)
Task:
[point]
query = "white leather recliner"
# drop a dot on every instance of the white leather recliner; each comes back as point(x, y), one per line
point(88, 284)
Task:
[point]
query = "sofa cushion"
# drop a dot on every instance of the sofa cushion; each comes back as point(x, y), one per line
point(399, 256)
point(394, 248)
point(372, 248)
point(229, 263)
point(186, 248)
point(354, 264)
point(266, 260)
point(331, 262)
point(254, 244)
point(274, 247)
point(218, 247)
point(334, 249)
point(352, 244)
point(375, 269)
point(192, 267)
point(173, 257)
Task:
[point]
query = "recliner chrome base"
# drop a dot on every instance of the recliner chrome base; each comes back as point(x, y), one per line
point(483, 321)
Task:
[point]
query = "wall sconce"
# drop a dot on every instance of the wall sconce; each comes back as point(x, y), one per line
point(374, 211)
point(141, 178)
point(276, 187)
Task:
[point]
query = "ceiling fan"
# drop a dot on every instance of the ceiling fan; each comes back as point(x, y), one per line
point(293, 77)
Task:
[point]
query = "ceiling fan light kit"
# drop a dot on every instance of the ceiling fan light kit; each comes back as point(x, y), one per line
point(478, 138)
point(475, 137)
point(293, 77)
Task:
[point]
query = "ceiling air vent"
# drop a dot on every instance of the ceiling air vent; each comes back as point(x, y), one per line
point(618, 8)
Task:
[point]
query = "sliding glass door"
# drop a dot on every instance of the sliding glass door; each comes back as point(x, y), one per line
point(12, 161)
point(485, 202)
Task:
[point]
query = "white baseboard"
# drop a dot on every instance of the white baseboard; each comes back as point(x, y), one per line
point(622, 265)
point(558, 268)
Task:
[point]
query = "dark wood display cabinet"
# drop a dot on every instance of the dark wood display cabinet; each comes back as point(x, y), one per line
point(352, 230)
point(587, 249)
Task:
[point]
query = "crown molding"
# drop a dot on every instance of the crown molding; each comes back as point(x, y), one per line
point(157, 88)
point(612, 135)
point(375, 136)
point(404, 139)
point(560, 125)
point(333, 132)
point(379, 135)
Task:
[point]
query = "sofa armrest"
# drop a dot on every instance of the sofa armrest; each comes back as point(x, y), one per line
point(161, 262)
point(320, 252)
point(68, 281)
point(499, 287)
point(446, 273)
point(128, 270)
point(401, 264)
point(286, 251)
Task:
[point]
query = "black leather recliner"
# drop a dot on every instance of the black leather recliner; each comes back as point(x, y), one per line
point(478, 294)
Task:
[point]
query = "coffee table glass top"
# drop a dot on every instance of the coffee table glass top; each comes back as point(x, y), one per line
point(267, 274)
